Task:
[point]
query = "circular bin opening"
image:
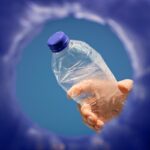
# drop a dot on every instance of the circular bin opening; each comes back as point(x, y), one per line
point(38, 93)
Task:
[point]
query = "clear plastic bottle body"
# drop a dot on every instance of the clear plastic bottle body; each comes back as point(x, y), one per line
point(79, 62)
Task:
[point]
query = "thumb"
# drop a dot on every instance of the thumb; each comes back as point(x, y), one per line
point(125, 86)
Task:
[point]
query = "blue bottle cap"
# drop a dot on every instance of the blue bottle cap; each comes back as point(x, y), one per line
point(58, 41)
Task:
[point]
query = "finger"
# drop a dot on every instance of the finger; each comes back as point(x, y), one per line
point(90, 119)
point(88, 103)
point(87, 106)
point(76, 90)
point(88, 115)
point(87, 123)
point(90, 126)
point(99, 125)
point(85, 110)
point(125, 86)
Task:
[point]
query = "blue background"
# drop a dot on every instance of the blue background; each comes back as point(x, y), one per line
point(38, 93)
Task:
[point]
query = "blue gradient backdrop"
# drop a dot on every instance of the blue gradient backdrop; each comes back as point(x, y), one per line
point(44, 104)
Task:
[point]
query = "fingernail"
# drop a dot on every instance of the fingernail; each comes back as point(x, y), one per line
point(90, 120)
point(100, 123)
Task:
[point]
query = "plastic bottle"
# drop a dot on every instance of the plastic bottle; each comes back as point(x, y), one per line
point(74, 61)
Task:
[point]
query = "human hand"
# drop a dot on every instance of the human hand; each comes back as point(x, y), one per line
point(104, 103)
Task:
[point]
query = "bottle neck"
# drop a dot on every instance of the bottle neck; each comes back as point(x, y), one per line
point(61, 53)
